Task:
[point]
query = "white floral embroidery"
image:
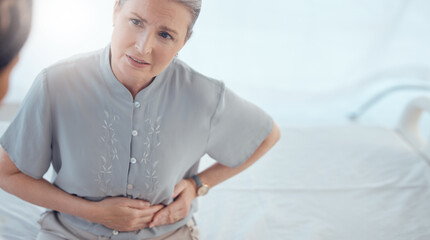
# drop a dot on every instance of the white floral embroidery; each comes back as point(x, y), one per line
point(110, 153)
point(152, 141)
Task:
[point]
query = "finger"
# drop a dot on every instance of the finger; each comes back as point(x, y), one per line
point(138, 204)
point(170, 214)
point(137, 226)
point(179, 188)
point(144, 222)
point(150, 211)
point(161, 217)
point(142, 217)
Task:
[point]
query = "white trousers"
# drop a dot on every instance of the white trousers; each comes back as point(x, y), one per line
point(53, 228)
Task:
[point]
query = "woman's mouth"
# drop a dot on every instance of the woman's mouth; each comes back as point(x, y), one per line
point(137, 62)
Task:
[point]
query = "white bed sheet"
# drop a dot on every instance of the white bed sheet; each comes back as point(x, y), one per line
point(18, 219)
point(331, 183)
point(350, 182)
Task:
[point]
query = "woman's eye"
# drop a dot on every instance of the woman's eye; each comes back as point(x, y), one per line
point(165, 35)
point(135, 22)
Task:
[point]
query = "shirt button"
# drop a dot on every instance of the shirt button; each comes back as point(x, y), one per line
point(133, 160)
point(130, 186)
point(115, 232)
point(137, 104)
point(134, 133)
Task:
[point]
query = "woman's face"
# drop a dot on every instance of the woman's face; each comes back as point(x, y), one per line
point(146, 37)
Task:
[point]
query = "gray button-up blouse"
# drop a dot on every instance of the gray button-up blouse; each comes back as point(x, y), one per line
point(101, 142)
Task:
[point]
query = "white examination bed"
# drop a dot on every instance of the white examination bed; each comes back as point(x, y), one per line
point(331, 183)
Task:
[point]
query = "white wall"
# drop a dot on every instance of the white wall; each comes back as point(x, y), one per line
point(284, 55)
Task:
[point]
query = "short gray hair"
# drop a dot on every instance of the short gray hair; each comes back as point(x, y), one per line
point(15, 23)
point(193, 5)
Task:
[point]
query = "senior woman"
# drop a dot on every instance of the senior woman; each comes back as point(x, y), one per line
point(124, 129)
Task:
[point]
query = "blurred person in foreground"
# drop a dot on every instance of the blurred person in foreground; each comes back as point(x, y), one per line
point(15, 23)
point(125, 128)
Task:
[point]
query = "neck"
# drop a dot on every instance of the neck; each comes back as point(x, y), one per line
point(136, 86)
point(133, 85)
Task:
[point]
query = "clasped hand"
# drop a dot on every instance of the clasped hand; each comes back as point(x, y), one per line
point(125, 214)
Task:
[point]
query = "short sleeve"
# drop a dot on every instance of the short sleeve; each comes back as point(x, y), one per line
point(28, 138)
point(238, 127)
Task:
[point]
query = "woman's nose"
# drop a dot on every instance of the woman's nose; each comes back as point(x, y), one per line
point(144, 44)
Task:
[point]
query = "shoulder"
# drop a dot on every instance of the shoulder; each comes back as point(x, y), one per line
point(188, 76)
point(189, 86)
point(80, 63)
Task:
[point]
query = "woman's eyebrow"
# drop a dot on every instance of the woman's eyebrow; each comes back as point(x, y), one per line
point(140, 18)
point(163, 28)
